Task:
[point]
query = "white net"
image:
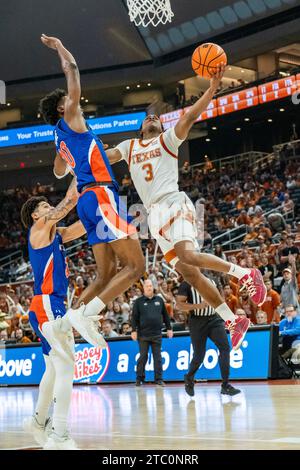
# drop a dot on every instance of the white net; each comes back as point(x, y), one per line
point(145, 12)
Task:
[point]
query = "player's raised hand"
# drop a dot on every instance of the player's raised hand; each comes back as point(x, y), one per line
point(50, 41)
point(217, 77)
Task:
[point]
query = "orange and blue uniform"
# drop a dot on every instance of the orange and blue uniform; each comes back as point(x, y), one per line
point(99, 206)
point(50, 270)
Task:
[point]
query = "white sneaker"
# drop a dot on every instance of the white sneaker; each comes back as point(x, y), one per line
point(56, 442)
point(87, 327)
point(40, 432)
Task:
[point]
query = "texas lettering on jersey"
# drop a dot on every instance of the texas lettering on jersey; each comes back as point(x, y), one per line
point(145, 156)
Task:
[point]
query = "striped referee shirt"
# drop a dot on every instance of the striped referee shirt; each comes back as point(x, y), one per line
point(193, 297)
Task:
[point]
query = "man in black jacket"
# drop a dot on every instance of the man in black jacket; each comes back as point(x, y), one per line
point(149, 314)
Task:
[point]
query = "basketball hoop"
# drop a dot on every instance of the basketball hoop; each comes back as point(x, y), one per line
point(145, 12)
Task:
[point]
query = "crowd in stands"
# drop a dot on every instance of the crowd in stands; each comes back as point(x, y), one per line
point(263, 207)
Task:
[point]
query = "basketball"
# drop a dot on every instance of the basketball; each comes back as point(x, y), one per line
point(206, 58)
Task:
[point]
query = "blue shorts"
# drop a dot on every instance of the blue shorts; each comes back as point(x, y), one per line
point(45, 308)
point(103, 215)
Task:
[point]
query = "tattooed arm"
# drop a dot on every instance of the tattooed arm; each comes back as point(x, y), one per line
point(61, 210)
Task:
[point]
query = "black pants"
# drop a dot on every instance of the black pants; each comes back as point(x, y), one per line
point(211, 327)
point(144, 343)
point(287, 342)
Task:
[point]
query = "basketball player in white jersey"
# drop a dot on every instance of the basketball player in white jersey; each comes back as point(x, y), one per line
point(152, 161)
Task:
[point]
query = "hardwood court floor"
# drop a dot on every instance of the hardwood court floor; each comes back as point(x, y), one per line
point(266, 415)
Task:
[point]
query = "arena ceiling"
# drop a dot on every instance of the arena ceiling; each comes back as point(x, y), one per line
point(110, 49)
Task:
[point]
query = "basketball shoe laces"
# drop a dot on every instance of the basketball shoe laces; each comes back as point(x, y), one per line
point(250, 286)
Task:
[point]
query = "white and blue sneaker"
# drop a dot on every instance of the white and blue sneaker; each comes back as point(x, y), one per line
point(56, 442)
point(39, 432)
point(87, 326)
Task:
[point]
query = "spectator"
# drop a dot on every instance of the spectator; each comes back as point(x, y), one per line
point(287, 205)
point(107, 329)
point(297, 235)
point(126, 329)
point(25, 325)
point(109, 312)
point(266, 269)
point(243, 218)
point(219, 252)
point(276, 222)
point(261, 317)
point(230, 299)
point(289, 328)
point(288, 251)
point(3, 324)
point(149, 314)
point(20, 337)
point(240, 312)
point(246, 304)
point(264, 231)
point(271, 304)
point(289, 288)
point(185, 169)
point(164, 291)
point(258, 218)
point(254, 210)
point(79, 286)
point(3, 335)
point(251, 235)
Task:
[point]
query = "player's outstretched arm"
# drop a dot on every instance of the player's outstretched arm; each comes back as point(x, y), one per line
point(72, 232)
point(114, 155)
point(61, 210)
point(70, 70)
point(186, 122)
point(60, 167)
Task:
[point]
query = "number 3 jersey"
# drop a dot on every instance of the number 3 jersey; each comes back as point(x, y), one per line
point(153, 165)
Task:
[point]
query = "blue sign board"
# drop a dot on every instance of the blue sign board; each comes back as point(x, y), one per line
point(44, 133)
point(117, 363)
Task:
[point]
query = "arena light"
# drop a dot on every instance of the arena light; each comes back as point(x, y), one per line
point(8, 104)
point(270, 120)
point(238, 129)
point(138, 86)
point(86, 101)
point(207, 140)
point(128, 87)
point(149, 84)
point(214, 128)
point(281, 110)
point(247, 119)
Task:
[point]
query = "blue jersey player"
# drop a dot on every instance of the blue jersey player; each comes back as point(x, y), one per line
point(49, 265)
point(109, 233)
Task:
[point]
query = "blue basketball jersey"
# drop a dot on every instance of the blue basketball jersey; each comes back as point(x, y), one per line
point(50, 268)
point(85, 154)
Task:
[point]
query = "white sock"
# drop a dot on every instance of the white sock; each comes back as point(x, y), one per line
point(94, 307)
point(224, 311)
point(45, 393)
point(62, 393)
point(238, 271)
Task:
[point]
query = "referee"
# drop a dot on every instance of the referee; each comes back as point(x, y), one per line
point(148, 315)
point(204, 323)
